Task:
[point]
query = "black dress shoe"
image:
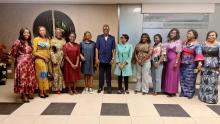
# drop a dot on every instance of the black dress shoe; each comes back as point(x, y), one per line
point(99, 90)
point(41, 96)
point(109, 91)
point(46, 95)
point(144, 93)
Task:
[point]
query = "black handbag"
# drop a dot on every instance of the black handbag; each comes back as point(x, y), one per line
point(50, 76)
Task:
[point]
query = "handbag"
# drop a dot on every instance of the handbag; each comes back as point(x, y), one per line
point(50, 76)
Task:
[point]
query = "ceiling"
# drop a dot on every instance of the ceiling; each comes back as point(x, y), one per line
point(107, 1)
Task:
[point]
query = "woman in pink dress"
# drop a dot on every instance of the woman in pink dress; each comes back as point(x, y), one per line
point(71, 52)
point(171, 73)
point(24, 80)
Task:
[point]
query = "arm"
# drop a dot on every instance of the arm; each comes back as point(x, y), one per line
point(78, 55)
point(113, 49)
point(65, 56)
point(14, 49)
point(97, 50)
point(162, 53)
point(130, 56)
point(116, 56)
point(81, 54)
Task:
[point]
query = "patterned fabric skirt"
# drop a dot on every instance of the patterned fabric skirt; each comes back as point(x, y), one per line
point(24, 79)
point(208, 91)
point(187, 80)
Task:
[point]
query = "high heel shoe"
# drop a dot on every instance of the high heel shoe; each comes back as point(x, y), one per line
point(42, 96)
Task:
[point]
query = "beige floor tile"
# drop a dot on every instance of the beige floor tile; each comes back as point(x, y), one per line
point(147, 120)
point(90, 98)
point(87, 109)
point(54, 119)
point(178, 120)
point(115, 120)
point(142, 109)
point(3, 117)
point(83, 120)
point(114, 98)
point(205, 120)
point(199, 111)
point(31, 108)
point(24, 119)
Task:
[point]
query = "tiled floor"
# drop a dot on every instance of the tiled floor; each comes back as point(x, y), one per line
point(105, 109)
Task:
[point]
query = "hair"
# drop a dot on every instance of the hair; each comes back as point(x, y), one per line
point(177, 34)
point(195, 33)
point(67, 38)
point(105, 25)
point(54, 48)
point(148, 38)
point(207, 36)
point(38, 32)
point(21, 36)
point(158, 35)
point(84, 36)
point(125, 36)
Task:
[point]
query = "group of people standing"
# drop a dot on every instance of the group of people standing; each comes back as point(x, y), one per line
point(56, 63)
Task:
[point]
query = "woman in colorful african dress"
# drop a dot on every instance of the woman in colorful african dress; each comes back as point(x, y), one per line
point(42, 60)
point(171, 72)
point(24, 79)
point(87, 49)
point(208, 91)
point(157, 63)
point(71, 52)
point(191, 58)
point(56, 52)
point(142, 59)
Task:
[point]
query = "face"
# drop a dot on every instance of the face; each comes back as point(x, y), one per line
point(42, 31)
point(212, 37)
point(190, 36)
point(173, 34)
point(72, 37)
point(144, 38)
point(106, 30)
point(88, 36)
point(58, 34)
point(157, 39)
point(26, 34)
point(123, 39)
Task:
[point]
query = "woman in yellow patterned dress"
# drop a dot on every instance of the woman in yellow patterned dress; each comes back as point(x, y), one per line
point(57, 58)
point(42, 58)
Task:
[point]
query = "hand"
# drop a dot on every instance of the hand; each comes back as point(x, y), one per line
point(83, 58)
point(74, 66)
point(156, 65)
point(112, 61)
point(97, 62)
point(46, 60)
point(199, 67)
point(175, 65)
point(121, 66)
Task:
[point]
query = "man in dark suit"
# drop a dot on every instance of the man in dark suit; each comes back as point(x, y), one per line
point(105, 55)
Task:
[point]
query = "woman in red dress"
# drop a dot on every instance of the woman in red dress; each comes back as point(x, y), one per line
point(24, 80)
point(71, 52)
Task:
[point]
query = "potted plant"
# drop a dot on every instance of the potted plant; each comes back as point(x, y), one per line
point(4, 62)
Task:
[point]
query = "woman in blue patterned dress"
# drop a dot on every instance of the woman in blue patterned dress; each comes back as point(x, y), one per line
point(191, 57)
point(208, 91)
